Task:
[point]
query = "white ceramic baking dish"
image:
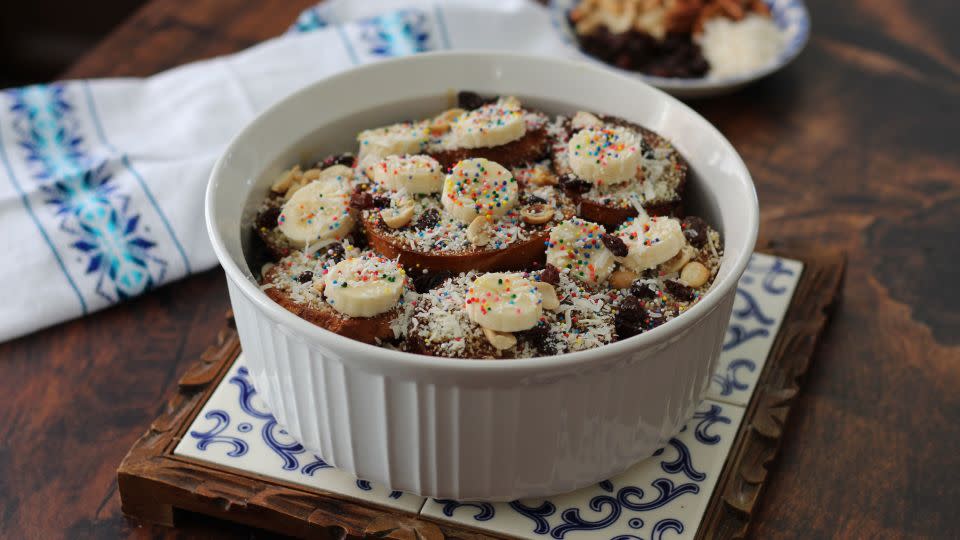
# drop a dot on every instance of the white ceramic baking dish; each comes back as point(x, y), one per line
point(475, 429)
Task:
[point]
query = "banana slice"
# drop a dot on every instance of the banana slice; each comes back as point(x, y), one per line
point(364, 286)
point(575, 244)
point(609, 156)
point(479, 187)
point(416, 174)
point(320, 210)
point(650, 242)
point(505, 302)
point(492, 124)
point(397, 139)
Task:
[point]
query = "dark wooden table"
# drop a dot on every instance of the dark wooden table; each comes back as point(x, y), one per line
point(853, 146)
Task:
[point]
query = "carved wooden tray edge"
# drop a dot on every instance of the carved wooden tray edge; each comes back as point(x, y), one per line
point(758, 440)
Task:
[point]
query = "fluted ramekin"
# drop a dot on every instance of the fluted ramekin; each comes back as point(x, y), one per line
point(475, 429)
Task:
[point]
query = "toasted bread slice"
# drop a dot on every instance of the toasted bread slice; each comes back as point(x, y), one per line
point(532, 147)
point(292, 283)
point(659, 192)
point(528, 253)
point(434, 240)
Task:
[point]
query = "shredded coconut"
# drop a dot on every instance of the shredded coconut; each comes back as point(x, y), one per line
point(737, 47)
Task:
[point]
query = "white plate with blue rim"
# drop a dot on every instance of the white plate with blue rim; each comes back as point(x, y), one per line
point(790, 16)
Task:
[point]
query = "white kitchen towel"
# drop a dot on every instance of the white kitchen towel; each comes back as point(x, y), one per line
point(102, 181)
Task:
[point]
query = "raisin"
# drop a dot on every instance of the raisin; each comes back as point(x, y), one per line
point(427, 220)
point(533, 199)
point(381, 202)
point(679, 291)
point(539, 337)
point(550, 275)
point(628, 321)
point(346, 159)
point(630, 309)
point(575, 184)
point(361, 200)
point(305, 276)
point(358, 239)
point(642, 291)
point(614, 244)
point(472, 100)
point(423, 283)
point(336, 252)
point(695, 229)
point(267, 219)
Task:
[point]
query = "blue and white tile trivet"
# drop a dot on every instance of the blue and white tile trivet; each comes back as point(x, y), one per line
point(663, 497)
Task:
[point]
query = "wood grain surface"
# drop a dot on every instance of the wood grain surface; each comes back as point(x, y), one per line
point(852, 146)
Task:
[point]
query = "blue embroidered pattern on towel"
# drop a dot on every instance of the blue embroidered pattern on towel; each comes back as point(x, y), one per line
point(399, 33)
point(396, 33)
point(310, 19)
point(102, 233)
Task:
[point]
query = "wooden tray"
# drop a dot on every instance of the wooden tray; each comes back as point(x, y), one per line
point(158, 486)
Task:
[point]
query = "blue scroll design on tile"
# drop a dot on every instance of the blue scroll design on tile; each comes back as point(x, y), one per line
point(318, 464)
point(537, 514)
point(683, 463)
point(288, 451)
point(398, 33)
point(613, 507)
point(706, 419)
point(664, 525)
point(659, 529)
point(484, 511)
point(247, 391)
point(770, 273)
point(739, 335)
point(751, 310)
point(730, 379)
point(738, 331)
point(214, 435)
point(616, 503)
point(574, 521)
point(748, 320)
point(272, 435)
point(666, 492)
point(366, 486)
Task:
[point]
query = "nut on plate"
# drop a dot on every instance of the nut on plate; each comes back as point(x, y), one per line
point(536, 214)
point(478, 232)
point(584, 119)
point(310, 175)
point(500, 340)
point(541, 176)
point(396, 217)
point(694, 274)
point(287, 179)
point(679, 260)
point(443, 121)
point(622, 279)
point(548, 294)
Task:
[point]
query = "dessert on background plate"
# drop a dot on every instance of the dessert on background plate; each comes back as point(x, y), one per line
point(688, 48)
point(679, 38)
point(489, 231)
